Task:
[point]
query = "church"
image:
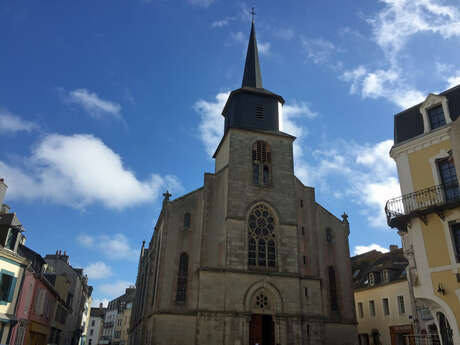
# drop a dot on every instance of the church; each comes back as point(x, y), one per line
point(250, 257)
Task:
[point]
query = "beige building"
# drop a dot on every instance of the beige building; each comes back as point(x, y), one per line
point(250, 257)
point(117, 319)
point(12, 267)
point(383, 302)
point(427, 215)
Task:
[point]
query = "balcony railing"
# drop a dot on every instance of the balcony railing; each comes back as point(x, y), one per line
point(418, 204)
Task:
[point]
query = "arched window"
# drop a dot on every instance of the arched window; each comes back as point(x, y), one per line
point(328, 235)
point(182, 278)
point(333, 289)
point(261, 163)
point(187, 220)
point(261, 238)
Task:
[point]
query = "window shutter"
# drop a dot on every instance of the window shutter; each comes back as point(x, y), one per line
point(12, 288)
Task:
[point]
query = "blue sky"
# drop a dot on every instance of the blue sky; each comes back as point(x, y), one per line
point(106, 104)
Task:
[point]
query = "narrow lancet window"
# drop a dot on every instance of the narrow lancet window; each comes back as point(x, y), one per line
point(261, 163)
point(333, 289)
point(182, 278)
point(187, 220)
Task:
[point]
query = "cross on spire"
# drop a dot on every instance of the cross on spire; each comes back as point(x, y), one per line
point(253, 13)
point(167, 195)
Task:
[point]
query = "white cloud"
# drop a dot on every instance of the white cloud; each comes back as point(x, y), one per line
point(98, 270)
point(400, 20)
point(10, 123)
point(79, 170)
point(289, 123)
point(115, 289)
point(211, 125)
point(85, 240)
point(93, 104)
point(264, 48)
point(364, 249)
point(388, 84)
point(369, 172)
point(354, 76)
point(393, 27)
point(114, 247)
point(96, 302)
point(319, 50)
point(117, 247)
point(220, 23)
point(285, 34)
point(201, 3)
point(453, 80)
point(238, 36)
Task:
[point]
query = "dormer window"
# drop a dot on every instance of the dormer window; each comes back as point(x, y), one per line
point(436, 117)
point(371, 279)
point(386, 276)
point(435, 112)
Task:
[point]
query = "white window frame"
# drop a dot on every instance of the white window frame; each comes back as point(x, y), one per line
point(399, 299)
point(430, 102)
point(371, 279)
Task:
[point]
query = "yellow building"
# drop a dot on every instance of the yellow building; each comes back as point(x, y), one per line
point(427, 215)
point(11, 269)
point(383, 305)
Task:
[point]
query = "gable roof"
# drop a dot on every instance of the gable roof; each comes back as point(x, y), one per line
point(375, 261)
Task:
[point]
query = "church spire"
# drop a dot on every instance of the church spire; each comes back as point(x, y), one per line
point(252, 76)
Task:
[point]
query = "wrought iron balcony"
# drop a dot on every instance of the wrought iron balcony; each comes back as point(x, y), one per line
point(434, 199)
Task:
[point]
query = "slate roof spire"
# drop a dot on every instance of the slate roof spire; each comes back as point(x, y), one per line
point(252, 76)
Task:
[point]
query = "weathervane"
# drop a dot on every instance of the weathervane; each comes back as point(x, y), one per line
point(253, 13)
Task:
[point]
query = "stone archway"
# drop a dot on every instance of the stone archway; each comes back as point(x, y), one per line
point(444, 319)
point(263, 302)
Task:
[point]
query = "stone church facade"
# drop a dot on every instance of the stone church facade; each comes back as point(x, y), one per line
point(250, 257)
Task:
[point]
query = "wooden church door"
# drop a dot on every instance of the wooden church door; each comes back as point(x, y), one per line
point(255, 330)
point(261, 330)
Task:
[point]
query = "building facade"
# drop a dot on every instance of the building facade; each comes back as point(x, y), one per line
point(96, 325)
point(383, 302)
point(427, 215)
point(250, 257)
point(78, 296)
point(37, 303)
point(12, 267)
point(116, 322)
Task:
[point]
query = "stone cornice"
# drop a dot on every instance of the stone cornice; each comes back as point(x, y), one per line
point(256, 272)
point(420, 142)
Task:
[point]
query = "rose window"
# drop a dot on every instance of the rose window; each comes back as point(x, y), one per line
point(261, 301)
point(261, 238)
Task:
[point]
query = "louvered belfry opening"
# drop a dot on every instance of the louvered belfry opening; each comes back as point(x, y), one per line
point(260, 111)
point(261, 159)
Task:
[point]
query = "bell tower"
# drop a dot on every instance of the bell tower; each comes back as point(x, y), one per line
point(252, 106)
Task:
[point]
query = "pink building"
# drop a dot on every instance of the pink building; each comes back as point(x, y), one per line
point(37, 305)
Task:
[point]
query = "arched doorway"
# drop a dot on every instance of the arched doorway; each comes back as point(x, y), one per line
point(445, 330)
point(263, 302)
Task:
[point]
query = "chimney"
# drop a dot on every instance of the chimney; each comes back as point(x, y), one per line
point(3, 188)
point(393, 247)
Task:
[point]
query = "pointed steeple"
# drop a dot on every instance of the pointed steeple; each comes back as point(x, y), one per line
point(252, 76)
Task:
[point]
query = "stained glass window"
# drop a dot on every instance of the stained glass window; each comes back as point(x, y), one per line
point(182, 278)
point(261, 238)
